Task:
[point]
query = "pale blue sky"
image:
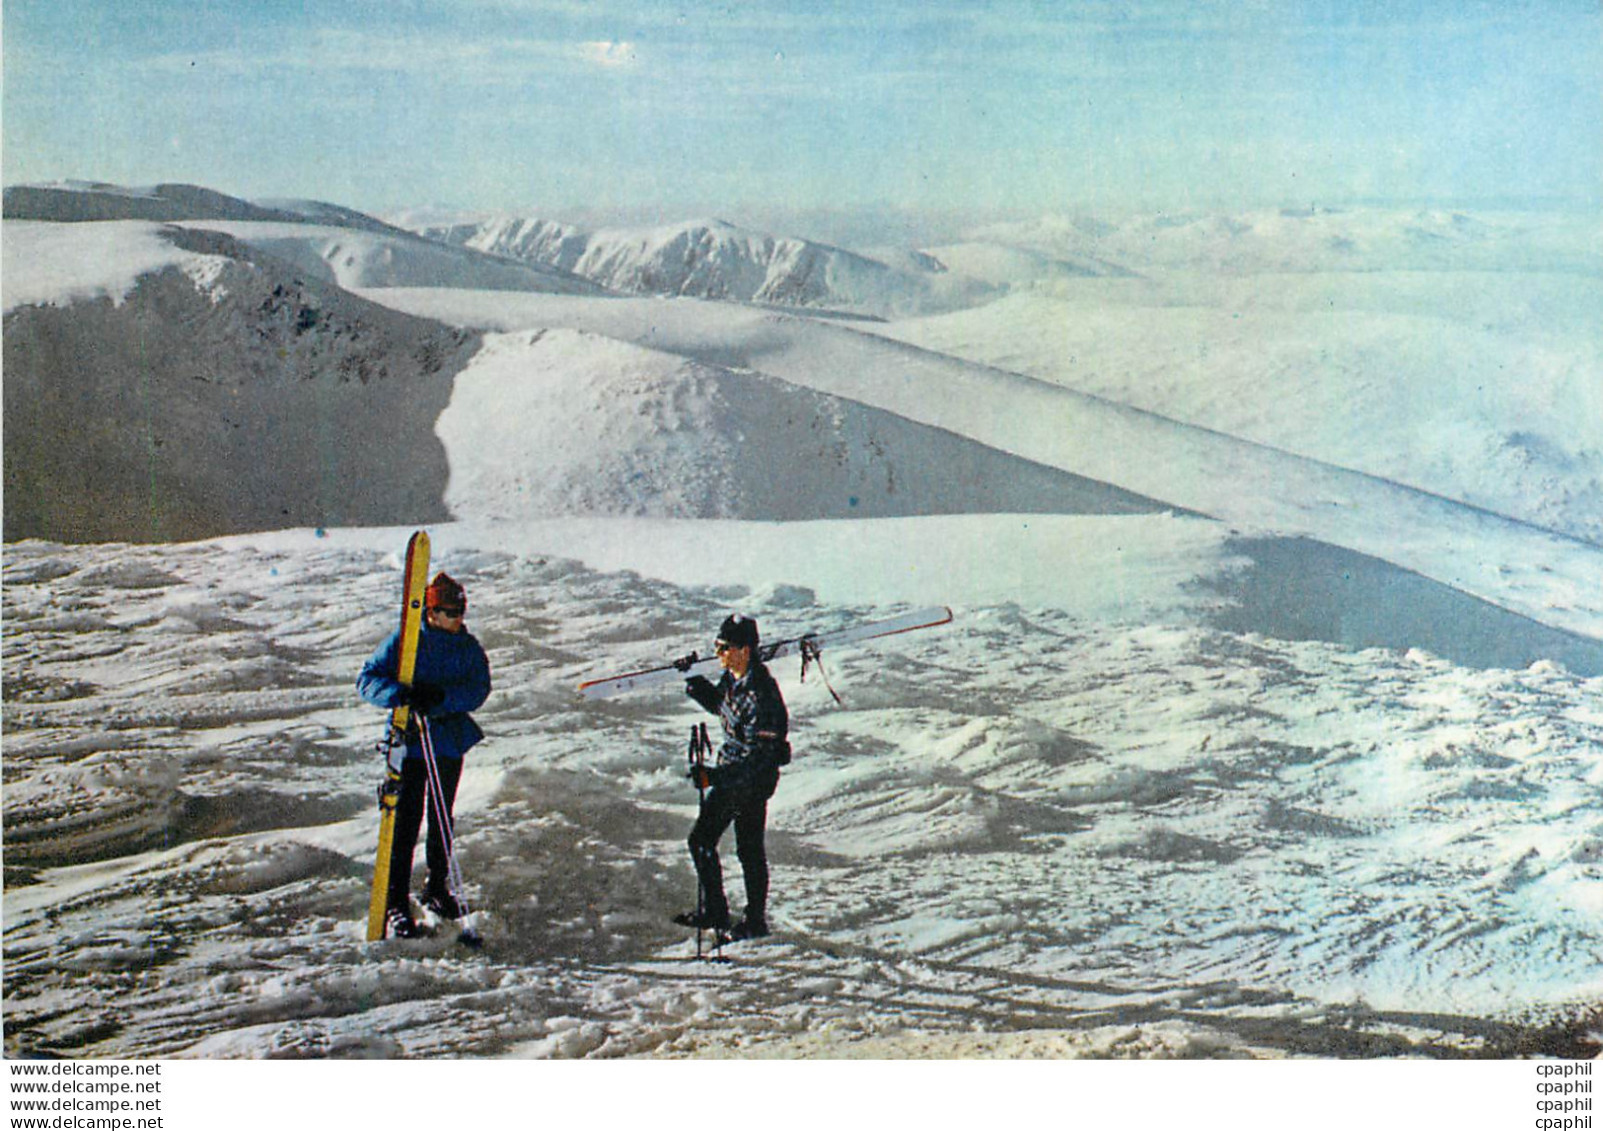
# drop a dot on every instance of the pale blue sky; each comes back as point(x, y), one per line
point(551, 106)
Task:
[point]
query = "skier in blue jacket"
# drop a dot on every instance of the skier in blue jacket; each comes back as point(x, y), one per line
point(451, 678)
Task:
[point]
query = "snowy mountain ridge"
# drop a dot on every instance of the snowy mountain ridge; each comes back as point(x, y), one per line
point(706, 258)
point(543, 241)
point(356, 258)
point(149, 368)
point(88, 201)
point(1545, 575)
point(932, 391)
point(334, 243)
point(714, 259)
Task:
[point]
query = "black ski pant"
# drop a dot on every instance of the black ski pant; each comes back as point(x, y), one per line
point(744, 805)
point(409, 819)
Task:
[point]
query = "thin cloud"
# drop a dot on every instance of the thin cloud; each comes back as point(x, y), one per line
point(608, 53)
point(355, 51)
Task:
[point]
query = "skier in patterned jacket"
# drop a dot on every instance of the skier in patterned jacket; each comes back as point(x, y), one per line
point(755, 723)
point(452, 678)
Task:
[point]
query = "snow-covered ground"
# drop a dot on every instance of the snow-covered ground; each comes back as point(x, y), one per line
point(1270, 722)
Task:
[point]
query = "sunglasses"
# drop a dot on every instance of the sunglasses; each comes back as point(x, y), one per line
point(449, 610)
point(724, 646)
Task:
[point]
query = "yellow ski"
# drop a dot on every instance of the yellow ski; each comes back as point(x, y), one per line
point(413, 583)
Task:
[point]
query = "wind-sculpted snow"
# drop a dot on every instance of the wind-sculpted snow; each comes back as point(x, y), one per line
point(1034, 832)
point(59, 265)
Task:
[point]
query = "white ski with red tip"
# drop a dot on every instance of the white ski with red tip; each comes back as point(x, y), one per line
point(814, 642)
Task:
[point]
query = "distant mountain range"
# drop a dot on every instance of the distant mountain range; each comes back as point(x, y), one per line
point(168, 338)
point(714, 259)
point(708, 259)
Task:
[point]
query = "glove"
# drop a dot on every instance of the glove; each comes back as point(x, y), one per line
point(685, 663)
point(425, 697)
point(701, 776)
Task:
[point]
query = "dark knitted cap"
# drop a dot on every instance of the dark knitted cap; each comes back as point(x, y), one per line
point(741, 631)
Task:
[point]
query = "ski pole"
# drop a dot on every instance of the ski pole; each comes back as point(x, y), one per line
point(696, 764)
point(435, 790)
point(453, 874)
point(700, 744)
point(706, 748)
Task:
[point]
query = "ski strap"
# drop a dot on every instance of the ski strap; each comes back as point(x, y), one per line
point(811, 655)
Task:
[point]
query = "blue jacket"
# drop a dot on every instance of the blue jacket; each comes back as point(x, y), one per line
point(452, 661)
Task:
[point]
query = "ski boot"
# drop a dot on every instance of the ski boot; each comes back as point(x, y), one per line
point(702, 921)
point(749, 928)
point(443, 904)
point(399, 924)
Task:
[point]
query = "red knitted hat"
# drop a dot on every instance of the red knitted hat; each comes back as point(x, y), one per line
point(445, 591)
